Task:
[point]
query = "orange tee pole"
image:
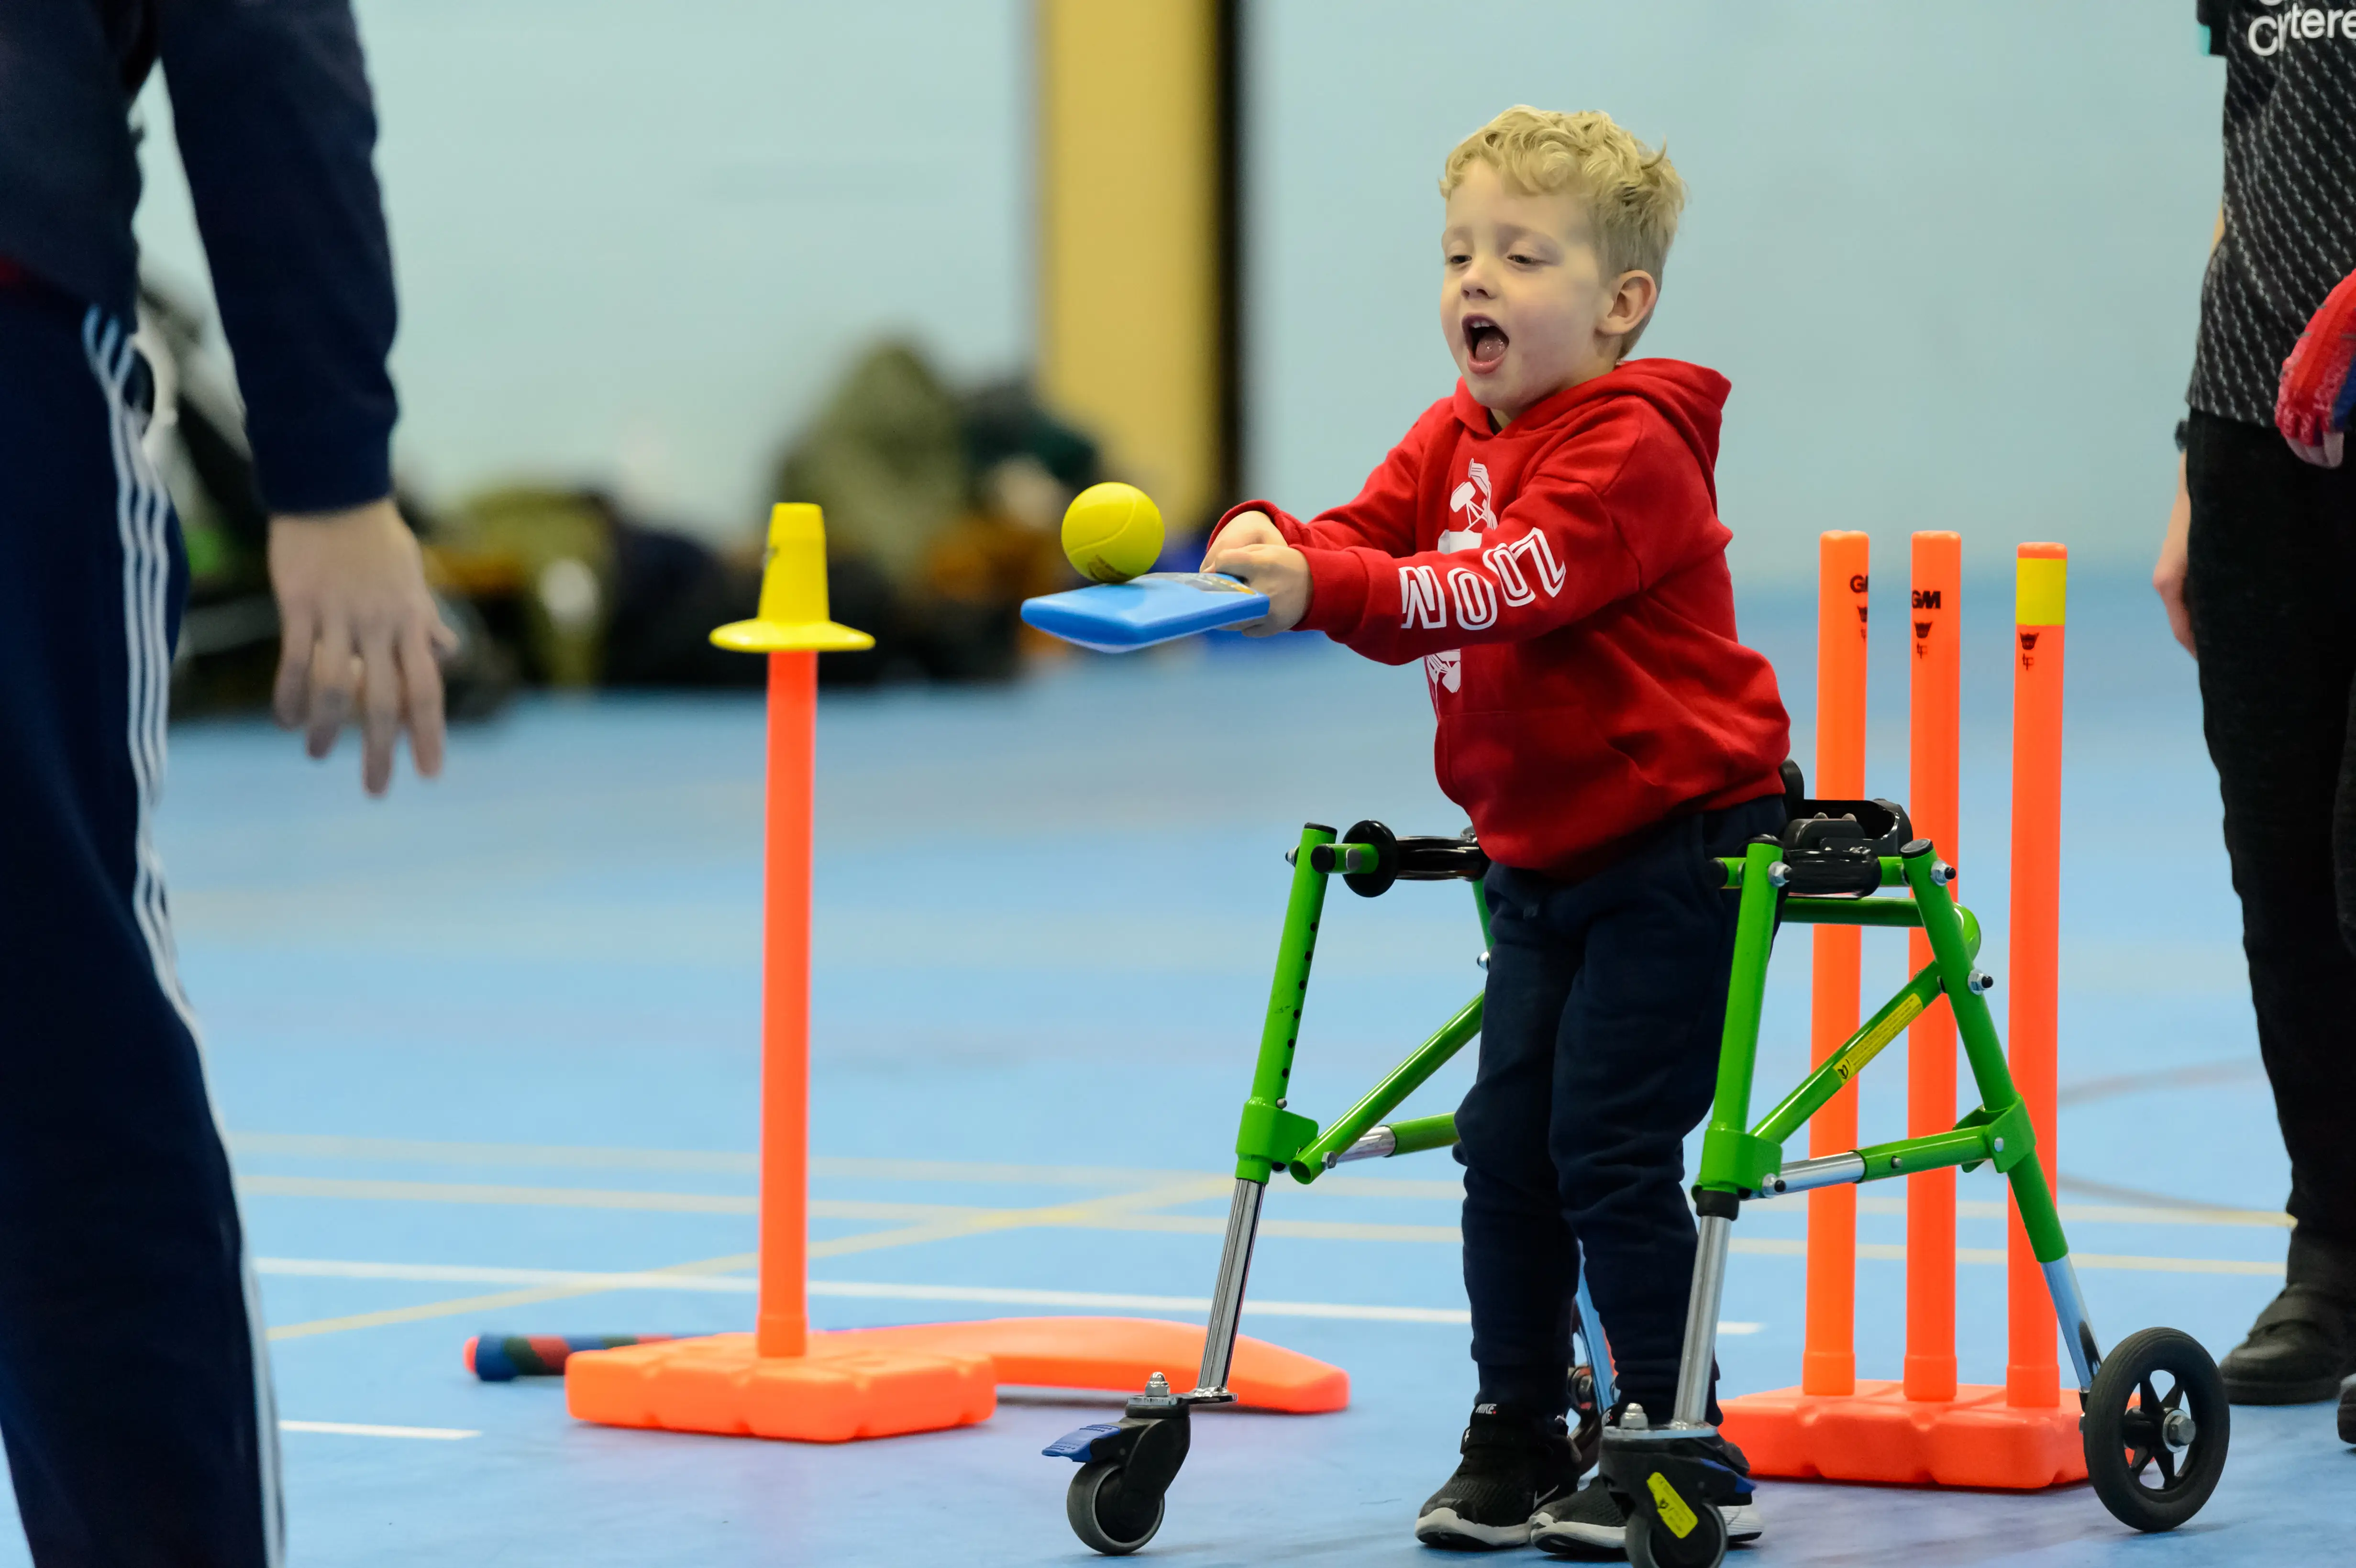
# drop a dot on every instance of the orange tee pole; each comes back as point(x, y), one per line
point(1828, 1361)
point(782, 1381)
point(782, 1323)
point(2031, 1377)
point(1929, 1367)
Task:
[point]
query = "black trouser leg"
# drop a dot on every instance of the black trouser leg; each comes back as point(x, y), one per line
point(133, 1397)
point(2272, 584)
point(1599, 1052)
point(1520, 1261)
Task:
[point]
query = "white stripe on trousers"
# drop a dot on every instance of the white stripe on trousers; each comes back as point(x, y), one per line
point(143, 523)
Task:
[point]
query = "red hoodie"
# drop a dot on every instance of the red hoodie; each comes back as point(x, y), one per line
point(1564, 582)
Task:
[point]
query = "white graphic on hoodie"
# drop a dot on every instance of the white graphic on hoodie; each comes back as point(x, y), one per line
point(1446, 670)
point(1470, 497)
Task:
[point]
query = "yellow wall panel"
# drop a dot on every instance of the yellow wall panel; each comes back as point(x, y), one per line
point(1129, 254)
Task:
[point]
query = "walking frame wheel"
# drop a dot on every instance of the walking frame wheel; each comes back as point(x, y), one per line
point(1652, 1543)
point(1105, 1515)
point(2156, 1412)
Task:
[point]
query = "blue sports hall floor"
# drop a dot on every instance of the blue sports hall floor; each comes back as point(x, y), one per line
point(499, 1034)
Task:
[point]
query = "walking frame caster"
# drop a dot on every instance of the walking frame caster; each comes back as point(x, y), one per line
point(1672, 1487)
point(1115, 1503)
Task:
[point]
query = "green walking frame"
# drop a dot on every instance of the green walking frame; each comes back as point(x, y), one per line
point(1832, 865)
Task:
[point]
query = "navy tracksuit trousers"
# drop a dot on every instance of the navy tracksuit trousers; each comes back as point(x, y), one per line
point(135, 1394)
point(1599, 1052)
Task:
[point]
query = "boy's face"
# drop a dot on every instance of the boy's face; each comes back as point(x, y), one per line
point(1524, 301)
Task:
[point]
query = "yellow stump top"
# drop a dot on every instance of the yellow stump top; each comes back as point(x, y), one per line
point(793, 614)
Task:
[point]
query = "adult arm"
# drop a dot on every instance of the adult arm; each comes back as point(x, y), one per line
point(2168, 574)
point(278, 129)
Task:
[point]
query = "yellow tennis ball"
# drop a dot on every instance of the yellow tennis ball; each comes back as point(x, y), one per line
point(1112, 532)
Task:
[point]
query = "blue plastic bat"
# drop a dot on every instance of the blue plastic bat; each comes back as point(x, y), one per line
point(1160, 607)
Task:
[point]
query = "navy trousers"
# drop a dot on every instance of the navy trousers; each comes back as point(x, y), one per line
point(1599, 1052)
point(135, 1394)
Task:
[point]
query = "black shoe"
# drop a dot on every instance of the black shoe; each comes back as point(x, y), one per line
point(2347, 1411)
point(2298, 1350)
point(1587, 1522)
point(1511, 1458)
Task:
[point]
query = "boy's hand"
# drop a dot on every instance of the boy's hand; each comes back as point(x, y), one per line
point(360, 632)
point(1251, 549)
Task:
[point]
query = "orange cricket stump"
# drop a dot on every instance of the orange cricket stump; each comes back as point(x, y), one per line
point(782, 1379)
point(1923, 1429)
point(1845, 564)
point(1935, 720)
point(2032, 1376)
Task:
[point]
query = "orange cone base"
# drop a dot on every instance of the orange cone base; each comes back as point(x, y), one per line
point(1121, 1353)
point(882, 1383)
point(1879, 1435)
point(832, 1394)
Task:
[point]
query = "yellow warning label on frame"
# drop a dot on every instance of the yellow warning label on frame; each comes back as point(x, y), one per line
point(1867, 1046)
point(1680, 1518)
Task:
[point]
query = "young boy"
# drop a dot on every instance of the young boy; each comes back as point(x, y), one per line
point(1547, 541)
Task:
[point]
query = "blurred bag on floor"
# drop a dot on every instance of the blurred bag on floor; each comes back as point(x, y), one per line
point(943, 515)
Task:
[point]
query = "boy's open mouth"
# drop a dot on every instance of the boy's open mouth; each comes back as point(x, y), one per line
point(1484, 342)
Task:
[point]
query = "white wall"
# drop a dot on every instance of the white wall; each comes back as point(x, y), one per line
point(1948, 254)
point(637, 242)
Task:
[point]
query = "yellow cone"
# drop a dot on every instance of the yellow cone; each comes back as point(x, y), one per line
point(793, 618)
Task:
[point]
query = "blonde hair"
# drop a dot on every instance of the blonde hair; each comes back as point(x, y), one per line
point(1632, 192)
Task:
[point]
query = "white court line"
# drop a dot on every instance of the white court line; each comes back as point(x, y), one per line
point(866, 1290)
point(999, 1296)
point(995, 1296)
point(1893, 1251)
point(362, 1429)
point(473, 1273)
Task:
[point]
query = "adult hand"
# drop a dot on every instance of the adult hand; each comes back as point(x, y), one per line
point(2317, 393)
point(2168, 577)
point(359, 635)
point(1252, 548)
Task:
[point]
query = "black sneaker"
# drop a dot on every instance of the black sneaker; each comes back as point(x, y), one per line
point(1587, 1522)
point(1511, 1458)
point(2296, 1352)
point(2347, 1411)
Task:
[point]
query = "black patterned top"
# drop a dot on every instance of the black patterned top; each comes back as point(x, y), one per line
point(2290, 194)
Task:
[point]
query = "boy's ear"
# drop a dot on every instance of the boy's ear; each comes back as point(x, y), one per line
point(1632, 304)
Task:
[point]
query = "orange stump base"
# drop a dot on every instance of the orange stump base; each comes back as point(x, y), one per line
point(882, 1383)
point(1879, 1435)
